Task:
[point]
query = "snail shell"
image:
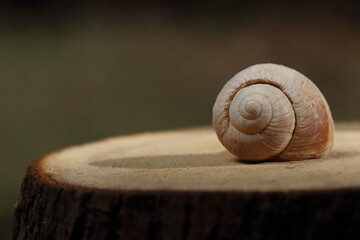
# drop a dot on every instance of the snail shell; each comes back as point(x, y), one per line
point(272, 111)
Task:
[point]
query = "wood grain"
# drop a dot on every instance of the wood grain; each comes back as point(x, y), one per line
point(183, 185)
point(194, 160)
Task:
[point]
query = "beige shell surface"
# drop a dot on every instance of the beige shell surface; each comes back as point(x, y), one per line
point(269, 110)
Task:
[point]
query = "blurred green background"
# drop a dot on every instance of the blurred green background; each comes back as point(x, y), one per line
point(79, 71)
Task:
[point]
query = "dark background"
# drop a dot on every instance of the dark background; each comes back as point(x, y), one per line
point(79, 71)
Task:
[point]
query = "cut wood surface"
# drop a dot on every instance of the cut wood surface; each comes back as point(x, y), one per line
point(194, 160)
point(183, 184)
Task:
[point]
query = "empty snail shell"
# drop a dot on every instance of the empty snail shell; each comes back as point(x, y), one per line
point(270, 111)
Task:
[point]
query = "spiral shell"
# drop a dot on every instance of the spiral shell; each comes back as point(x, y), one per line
point(272, 111)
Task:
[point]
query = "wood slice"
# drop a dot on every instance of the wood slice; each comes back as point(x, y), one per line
point(183, 184)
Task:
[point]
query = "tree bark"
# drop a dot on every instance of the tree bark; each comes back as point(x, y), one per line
point(52, 206)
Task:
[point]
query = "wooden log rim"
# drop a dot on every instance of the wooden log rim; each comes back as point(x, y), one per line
point(183, 185)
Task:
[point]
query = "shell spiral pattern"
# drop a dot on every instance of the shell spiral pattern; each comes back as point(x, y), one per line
point(272, 111)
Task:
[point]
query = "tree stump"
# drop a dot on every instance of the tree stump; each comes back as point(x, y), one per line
point(183, 184)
